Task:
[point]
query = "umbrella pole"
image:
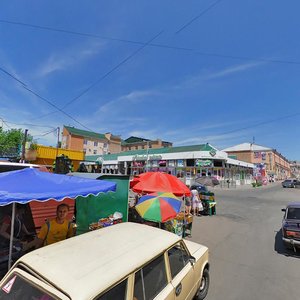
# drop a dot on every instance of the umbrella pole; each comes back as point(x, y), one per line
point(11, 234)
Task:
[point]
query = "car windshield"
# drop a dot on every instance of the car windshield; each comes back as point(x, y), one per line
point(16, 287)
point(293, 213)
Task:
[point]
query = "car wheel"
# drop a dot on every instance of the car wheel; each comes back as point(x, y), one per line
point(204, 285)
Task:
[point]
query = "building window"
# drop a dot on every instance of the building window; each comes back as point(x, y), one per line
point(129, 148)
point(150, 146)
point(95, 151)
point(105, 145)
point(85, 142)
point(143, 147)
point(95, 144)
point(136, 147)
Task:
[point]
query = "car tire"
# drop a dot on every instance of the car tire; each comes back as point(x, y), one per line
point(204, 285)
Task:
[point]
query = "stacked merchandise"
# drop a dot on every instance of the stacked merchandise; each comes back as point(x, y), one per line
point(209, 203)
point(181, 225)
point(104, 222)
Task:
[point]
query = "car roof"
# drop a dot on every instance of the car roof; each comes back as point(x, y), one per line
point(294, 204)
point(86, 265)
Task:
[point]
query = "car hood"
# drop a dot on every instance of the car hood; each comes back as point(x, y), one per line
point(195, 248)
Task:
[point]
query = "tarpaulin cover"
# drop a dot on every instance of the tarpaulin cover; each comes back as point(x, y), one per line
point(28, 184)
point(93, 208)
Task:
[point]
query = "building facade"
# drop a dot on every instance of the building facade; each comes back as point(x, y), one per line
point(268, 162)
point(186, 162)
point(136, 143)
point(91, 143)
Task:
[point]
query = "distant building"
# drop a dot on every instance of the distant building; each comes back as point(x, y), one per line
point(295, 168)
point(185, 162)
point(267, 161)
point(91, 143)
point(137, 143)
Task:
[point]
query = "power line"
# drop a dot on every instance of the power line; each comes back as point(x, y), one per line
point(26, 124)
point(46, 100)
point(12, 76)
point(113, 69)
point(262, 123)
point(106, 74)
point(198, 16)
point(197, 51)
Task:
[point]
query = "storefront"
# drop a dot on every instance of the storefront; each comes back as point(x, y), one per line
point(185, 162)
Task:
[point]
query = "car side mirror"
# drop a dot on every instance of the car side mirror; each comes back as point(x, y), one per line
point(283, 209)
point(192, 260)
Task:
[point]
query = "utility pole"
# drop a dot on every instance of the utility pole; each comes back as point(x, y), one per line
point(23, 146)
point(57, 145)
point(147, 156)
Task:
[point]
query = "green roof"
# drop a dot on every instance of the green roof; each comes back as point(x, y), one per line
point(85, 133)
point(157, 151)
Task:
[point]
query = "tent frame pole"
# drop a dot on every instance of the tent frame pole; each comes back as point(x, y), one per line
point(12, 227)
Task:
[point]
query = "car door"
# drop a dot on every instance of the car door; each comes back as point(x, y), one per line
point(151, 281)
point(182, 272)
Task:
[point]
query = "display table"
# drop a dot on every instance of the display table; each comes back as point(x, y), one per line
point(181, 225)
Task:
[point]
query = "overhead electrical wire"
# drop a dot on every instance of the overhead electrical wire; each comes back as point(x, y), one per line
point(87, 89)
point(105, 75)
point(198, 16)
point(196, 51)
point(261, 123)
point(26, 124)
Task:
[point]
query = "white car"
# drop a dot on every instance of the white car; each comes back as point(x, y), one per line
point(123, 261)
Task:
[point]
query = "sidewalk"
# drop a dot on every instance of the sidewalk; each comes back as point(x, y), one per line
point(244, 187)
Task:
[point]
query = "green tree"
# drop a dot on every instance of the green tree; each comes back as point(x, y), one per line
point(11, 142)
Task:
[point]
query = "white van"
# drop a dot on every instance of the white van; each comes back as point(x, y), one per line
point(123, 261)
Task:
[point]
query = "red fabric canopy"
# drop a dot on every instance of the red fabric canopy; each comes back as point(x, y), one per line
point(152, 182)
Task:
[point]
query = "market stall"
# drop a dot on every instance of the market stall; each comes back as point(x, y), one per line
point(102, 210)
point(26, 185)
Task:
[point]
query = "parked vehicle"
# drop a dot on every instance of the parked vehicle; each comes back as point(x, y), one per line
point(290, 183)
point(291, 226)
point(123, 261)
point(199, 187)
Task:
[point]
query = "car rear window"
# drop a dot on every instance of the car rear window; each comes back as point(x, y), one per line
point(293, 213)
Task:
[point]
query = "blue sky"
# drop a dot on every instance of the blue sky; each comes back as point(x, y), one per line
point(188, 72)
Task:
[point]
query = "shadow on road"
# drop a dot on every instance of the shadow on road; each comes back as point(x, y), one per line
point(281, 249)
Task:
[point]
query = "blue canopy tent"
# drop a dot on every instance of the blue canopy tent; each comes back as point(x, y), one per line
point(29, 184)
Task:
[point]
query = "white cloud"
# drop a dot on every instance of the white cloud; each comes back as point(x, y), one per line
point(62, 61)
point(116, 105)
point(232, 70)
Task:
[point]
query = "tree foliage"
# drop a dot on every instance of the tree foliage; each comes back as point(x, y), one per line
point(11, 142)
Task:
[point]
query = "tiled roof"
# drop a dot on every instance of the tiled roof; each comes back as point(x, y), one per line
point(85, 133)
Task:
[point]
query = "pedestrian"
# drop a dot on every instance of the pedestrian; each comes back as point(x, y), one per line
point(19, 227)
point(196, 202)
point(188, 204)
point(55, 230)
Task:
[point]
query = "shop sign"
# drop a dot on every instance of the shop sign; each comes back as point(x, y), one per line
point(203, 163)
point(212, 152)
point(145, 157)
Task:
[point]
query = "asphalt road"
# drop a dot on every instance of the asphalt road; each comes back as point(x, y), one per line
point(248, 260)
